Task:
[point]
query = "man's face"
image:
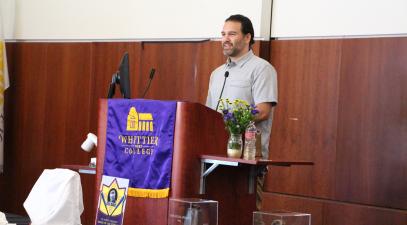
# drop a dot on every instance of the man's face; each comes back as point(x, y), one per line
point(234, 43)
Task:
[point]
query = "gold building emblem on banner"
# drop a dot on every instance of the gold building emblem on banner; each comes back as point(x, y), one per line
point(139, 121)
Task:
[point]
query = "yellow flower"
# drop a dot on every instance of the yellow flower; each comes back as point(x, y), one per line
point(236, 115)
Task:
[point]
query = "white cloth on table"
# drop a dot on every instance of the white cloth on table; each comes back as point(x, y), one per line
point(56, 198)
point(3, 220)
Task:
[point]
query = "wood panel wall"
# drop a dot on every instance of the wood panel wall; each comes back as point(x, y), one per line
point(372, 123)
point(51, 104)
point(304, 126)
point(342, 105)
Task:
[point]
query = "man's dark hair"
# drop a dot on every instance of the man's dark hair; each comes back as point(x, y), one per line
point(247, 26)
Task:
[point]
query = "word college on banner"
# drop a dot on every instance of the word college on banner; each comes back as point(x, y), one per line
point(139, 145)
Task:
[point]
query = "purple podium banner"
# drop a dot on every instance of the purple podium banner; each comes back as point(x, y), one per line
point(139, 144)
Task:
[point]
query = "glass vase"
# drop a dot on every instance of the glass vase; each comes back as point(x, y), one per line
point(235, 146)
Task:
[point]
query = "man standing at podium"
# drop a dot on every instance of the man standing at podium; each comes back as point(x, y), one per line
point(245, 76)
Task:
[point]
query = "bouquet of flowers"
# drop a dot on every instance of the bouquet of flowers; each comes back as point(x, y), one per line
point(237, 115)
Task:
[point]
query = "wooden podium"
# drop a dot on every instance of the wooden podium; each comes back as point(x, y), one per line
point(198, 131)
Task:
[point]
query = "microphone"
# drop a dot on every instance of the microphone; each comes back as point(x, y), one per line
point(223, 87)
point(149, 82)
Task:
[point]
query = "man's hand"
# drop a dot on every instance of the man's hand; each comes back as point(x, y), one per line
point(264, 111)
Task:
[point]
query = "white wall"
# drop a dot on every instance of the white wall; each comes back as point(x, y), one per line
point(7, 18)
point(128, 19)
point(305, 18)
point(197, 19)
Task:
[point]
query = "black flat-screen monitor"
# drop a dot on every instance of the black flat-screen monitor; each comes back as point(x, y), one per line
point(122, 78)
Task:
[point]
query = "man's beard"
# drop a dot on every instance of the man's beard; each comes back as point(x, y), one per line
point(230, 52)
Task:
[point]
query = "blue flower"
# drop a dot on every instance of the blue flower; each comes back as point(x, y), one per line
point(232, 117)
point(228, 116)
point(237, 115)
point(254, 111)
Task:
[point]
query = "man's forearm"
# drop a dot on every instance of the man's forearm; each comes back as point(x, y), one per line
point(264, 111)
